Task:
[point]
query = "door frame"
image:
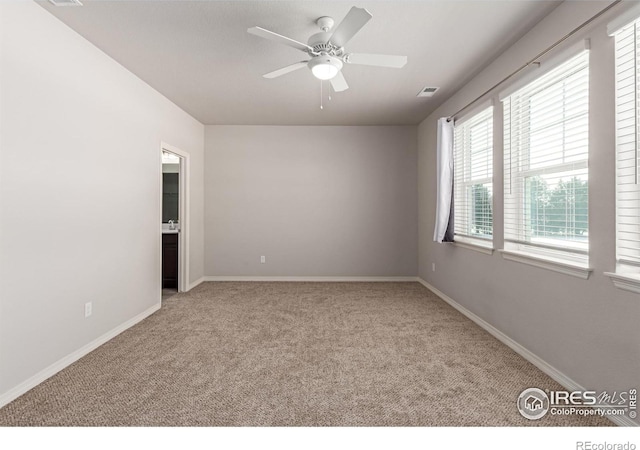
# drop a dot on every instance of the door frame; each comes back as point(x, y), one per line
point(184, 210)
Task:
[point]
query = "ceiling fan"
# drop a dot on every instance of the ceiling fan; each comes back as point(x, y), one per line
point(326, 49)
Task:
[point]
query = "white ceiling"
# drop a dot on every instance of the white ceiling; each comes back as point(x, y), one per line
point(199, 55)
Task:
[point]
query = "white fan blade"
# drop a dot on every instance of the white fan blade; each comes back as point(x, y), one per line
point(355, 19)
point(338, 83)
point(285, 70)
point(266, 34)
point(368, 59)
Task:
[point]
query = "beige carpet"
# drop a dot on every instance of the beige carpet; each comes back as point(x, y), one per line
point(290, 354)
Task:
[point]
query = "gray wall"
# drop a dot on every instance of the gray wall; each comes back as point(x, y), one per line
point(79, 192)
point(316, 201)
point(587, 329)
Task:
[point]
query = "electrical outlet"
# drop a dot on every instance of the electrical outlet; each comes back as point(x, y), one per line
point(87, 309)
point(433, 267)
point(263, 259)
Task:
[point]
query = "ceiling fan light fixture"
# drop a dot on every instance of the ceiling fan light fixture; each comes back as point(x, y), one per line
point(324, 71)
point(325, 67)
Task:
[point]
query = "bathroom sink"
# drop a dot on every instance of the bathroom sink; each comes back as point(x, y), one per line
point(166, 228)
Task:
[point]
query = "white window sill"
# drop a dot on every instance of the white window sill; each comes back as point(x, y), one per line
point(567, 268)
point(477, 247)
point(627, 281)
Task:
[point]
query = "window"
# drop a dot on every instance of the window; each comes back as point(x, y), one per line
point(473, 172)
point(546, 128)
point(627, 178)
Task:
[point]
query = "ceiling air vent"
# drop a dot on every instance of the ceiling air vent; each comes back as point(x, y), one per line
point(427, 92)
point(66, 2)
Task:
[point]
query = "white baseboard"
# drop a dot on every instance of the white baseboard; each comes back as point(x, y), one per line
point(317, 279)
point(195, 283)
point(541, 364)
point(56, 367)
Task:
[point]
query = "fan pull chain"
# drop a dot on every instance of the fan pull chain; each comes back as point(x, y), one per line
point(322, 97)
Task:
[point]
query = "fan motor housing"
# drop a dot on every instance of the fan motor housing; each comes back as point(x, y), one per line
point(321, 45)
point(318, 39)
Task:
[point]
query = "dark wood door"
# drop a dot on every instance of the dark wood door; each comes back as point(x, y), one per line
point(170, 261)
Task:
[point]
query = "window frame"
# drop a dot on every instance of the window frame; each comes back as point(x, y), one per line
point(627, 269)
point(517, 172)
point(464, 184)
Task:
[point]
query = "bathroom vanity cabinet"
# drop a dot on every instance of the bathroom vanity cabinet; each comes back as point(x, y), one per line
point(170, 260)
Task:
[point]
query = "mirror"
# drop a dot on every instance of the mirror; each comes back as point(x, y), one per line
point(170, 187)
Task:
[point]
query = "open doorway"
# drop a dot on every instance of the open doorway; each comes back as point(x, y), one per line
point(174, 220)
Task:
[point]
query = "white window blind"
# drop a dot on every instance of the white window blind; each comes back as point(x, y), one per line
point(546, 128)
point(473, 174)
point(627, 188)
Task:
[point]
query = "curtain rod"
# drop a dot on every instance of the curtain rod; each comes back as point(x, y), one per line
point(534, 61)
